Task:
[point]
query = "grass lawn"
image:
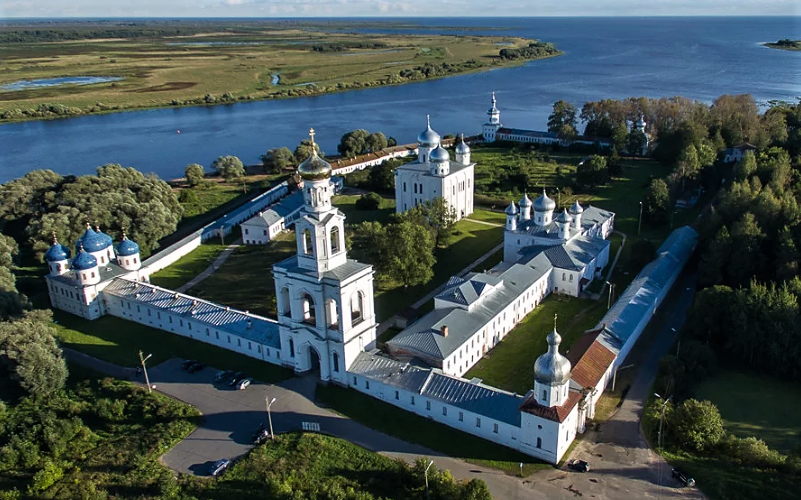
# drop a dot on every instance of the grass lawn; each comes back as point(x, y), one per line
point(347, 204)
point(470, 241)
point(188, 266)
point(118, 341)
point(757, 405)
point(488, 216)
point(244, 280)
point(415, 429)
point(510, 365)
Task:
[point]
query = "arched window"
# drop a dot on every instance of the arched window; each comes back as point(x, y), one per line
point(539, 442)
point(309, 313)
point(571, 278)
point(284, 306)
point(544, 395)
point(308, 247)
point(334, 239)
point(357, 307)
point(291, 348)
point(336, 362)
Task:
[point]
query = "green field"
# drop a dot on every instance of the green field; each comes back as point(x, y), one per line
point(510, 365)
point(433, 435)
point(757, 405)
point(227, 64)
point(188, 266)
point(347, 204)
point(118, 341)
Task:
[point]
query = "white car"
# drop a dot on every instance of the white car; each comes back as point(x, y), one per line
point(244, 383)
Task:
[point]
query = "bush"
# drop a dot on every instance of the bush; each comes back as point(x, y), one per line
point(697, 425)
point(750, 452)
point(188, 197)
point(369, 201)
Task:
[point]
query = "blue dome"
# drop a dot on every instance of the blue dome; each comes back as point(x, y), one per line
point(109, 241)
point(84, 261)
point(127, 248)
point(93, 242)
point(57, 252)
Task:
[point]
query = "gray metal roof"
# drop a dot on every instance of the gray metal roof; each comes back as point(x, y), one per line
point(107, 272)
point(340, 273)
point(433, 384)
point(278, 212)
point(245, 325)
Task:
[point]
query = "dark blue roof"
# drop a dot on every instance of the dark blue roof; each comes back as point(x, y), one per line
point(109, 241)
point(127, 247)
point(57, 252)
point(84, 261)
point(92, 241)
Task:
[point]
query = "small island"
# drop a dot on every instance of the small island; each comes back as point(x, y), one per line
point(78, 68)
point(785, 44)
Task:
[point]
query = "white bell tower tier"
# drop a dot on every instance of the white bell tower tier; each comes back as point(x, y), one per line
point(326, 313)
point(493, 123)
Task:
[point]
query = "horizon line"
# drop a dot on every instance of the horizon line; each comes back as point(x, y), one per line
point(675, 16)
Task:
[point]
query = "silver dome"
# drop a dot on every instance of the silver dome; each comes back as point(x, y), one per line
point(428, 138)
point(576, 208)
point(564, 217)
point(439, 155)
point(462, 147)
point(525, 201)
point(544, 204)
point(552, 368)
point(511, 209)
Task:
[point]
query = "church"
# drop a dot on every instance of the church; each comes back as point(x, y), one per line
point(435, 175)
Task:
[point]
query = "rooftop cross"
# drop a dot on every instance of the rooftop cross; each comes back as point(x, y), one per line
point(428, 120)
point(55, 240)
point(554, 321)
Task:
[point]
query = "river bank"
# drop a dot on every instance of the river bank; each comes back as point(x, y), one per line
point(214, 69)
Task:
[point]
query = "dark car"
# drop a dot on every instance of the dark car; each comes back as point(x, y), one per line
point(235, 378)
point(579, 465)
point(684, 478)
point(261, 436)
point(196, 367)
point(223, 376)
point(219, 466)
point(187, 363)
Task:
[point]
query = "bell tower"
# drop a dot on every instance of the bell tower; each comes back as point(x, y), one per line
point(494, 122)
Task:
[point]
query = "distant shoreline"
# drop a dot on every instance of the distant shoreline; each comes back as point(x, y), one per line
point(785, 44)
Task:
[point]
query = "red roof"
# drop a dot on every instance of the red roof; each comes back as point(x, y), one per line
point(555, 413)
point(590, 359)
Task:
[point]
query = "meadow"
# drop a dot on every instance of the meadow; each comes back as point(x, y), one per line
point(230, 65)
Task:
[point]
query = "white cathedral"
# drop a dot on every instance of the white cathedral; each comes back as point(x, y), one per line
point(434, 175)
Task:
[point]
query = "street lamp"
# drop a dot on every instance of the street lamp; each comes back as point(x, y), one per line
point(426, 475)
point(269, 415)
point(639, 221)
point(661, 418)
point(609, 299)
point(144, 369)
point(558, 198)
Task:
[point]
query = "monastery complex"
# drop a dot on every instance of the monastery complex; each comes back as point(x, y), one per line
point(326, 314)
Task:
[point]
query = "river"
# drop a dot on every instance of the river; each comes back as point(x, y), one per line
point(699, 58)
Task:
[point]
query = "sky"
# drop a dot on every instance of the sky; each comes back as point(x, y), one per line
point(389, 8)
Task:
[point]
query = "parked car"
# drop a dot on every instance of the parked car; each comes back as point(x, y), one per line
point(235, 378)
point(261, 436)
point(187, 363)
point(579, 465)
point(684, 478)
point(219, 466)
point(244, 383)
point(196, 367)
point(223, 375)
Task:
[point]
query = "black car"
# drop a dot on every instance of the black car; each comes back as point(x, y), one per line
point(684, 478)
point(261, 436)
point(187, 363)
point(223, 376)
point(196, 367)
point(235, 378)
point(579, 465)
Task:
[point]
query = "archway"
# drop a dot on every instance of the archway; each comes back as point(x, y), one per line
point(314, 359)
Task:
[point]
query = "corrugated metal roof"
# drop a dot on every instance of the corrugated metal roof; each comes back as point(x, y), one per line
point(340, 273)
point(245, 325)
point(477, 398)
point(278, 212)
point(388, 371)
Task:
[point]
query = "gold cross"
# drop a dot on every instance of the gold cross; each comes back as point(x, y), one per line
point(554, 321)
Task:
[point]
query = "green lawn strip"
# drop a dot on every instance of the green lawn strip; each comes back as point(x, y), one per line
point(493, 260)
point(721, 479)
point(188, 266)
point(509, 365)
point(347, 204)
point(488, 216)
point(772, 412)
point(599, 284)
point(118, 341)
point(412, 428)
point(244, 280)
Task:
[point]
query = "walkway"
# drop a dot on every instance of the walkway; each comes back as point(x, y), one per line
point(213, 267)
point(493, 224)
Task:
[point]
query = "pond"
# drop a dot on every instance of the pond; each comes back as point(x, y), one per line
point(52, 82)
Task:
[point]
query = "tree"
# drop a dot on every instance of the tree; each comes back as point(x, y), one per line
point(657, 199)
point(21, 198)
point(688, 165)
point(563, 120)
point(194, 174)
point(376, 142)
point(636, 141)
point(441, 218)
point(277, 159)
point(409, 254)
point(367, 243)
point(229, 167)
point(353, 143)
point(620, 137)
point(697, 425)
point(746, 166)
point(30, 355)
point(368, 201)
point(392, 142)
point(304, 150)
point(382, 177)
point(592, 171)
point(614, 164)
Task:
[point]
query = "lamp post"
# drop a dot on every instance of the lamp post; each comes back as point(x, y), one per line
point(609, 299)
point(558, 198)
point(269, 415)
point(661, 418)
point(430, 463)
point(639, 221)
point(144, 369)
